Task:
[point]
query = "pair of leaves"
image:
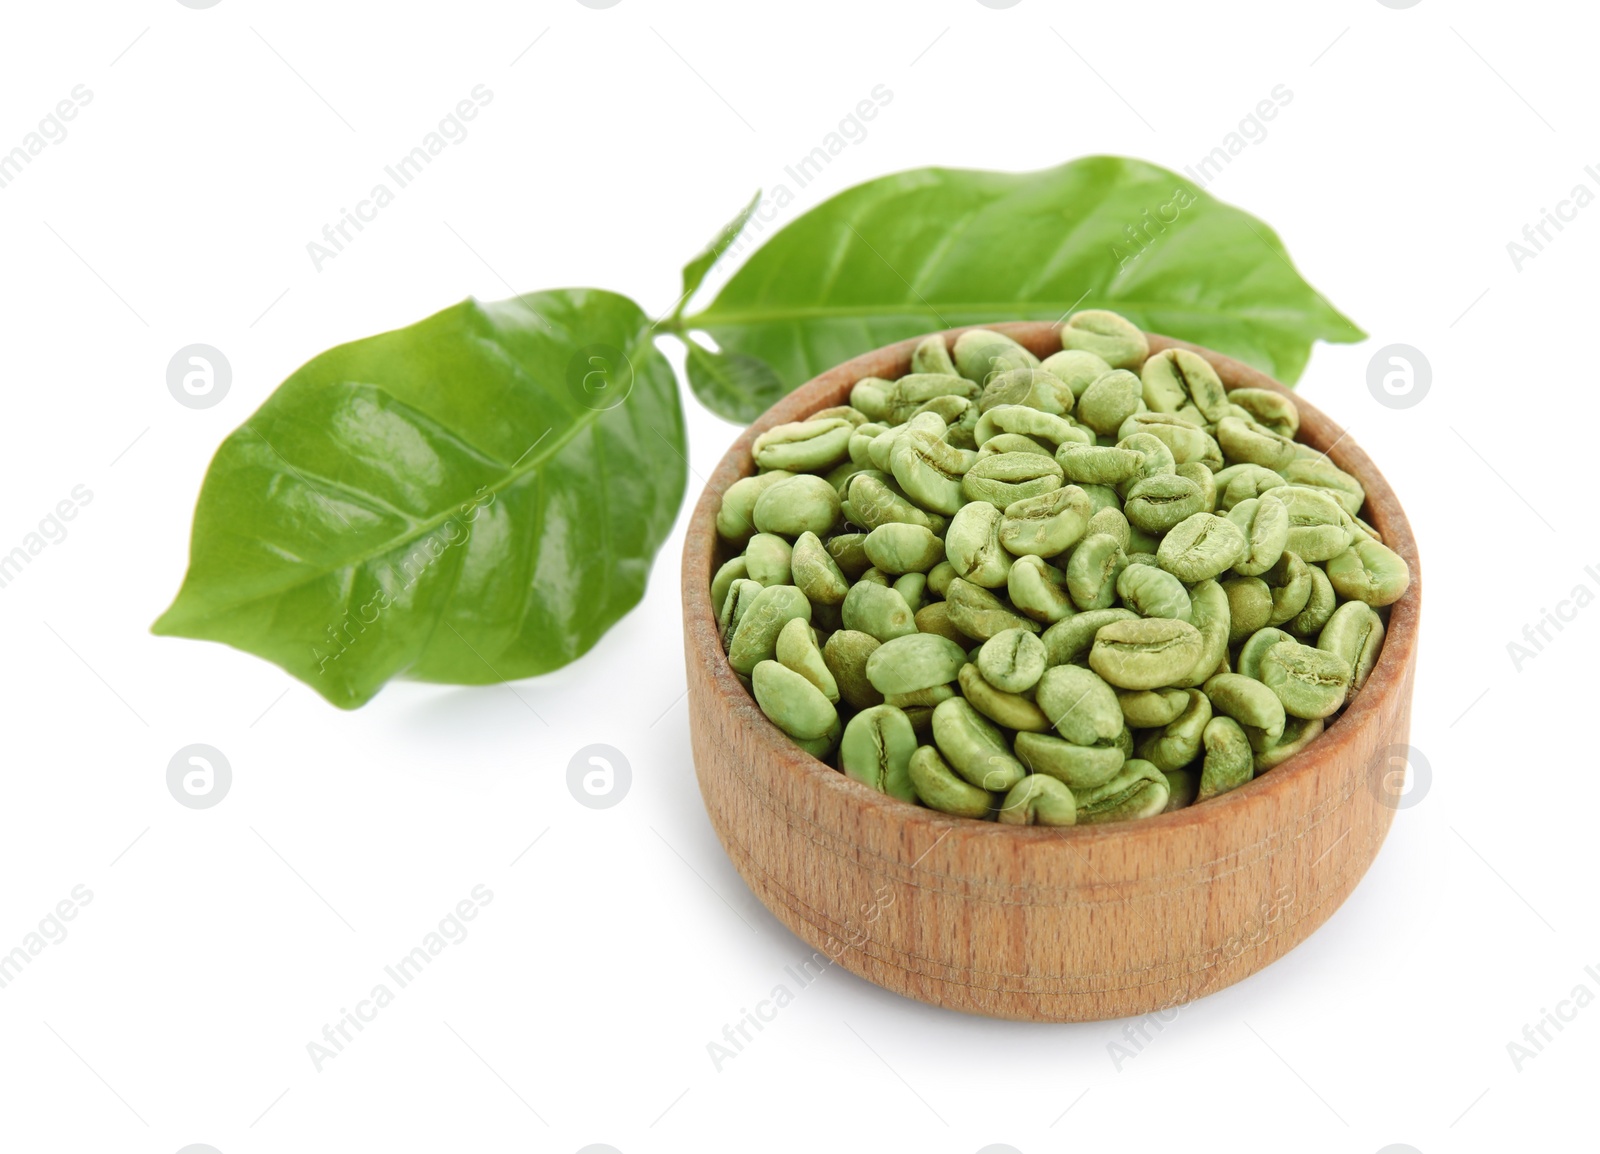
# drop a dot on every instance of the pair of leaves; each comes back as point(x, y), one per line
point(936, 248)
point(478, 497)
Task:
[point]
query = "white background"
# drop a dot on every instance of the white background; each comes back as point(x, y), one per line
point(219, 942)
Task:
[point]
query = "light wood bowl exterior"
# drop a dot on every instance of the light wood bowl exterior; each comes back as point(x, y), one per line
point(1029, 922)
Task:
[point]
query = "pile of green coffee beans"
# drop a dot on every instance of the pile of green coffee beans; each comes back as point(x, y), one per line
point(1087, 589)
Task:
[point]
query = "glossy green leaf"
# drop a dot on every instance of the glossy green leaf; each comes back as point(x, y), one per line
point(732, 385)
point(934, 248)
point(474, 498)
point(695, 271)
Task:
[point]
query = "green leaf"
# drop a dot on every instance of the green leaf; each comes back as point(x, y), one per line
point(732, 385)
point(935, 248)
point(450, 502)
point(695, 271)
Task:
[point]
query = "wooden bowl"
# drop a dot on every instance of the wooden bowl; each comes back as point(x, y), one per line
point(1029, 922)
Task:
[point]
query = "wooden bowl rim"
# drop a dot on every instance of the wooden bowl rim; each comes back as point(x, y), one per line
point(701, 634)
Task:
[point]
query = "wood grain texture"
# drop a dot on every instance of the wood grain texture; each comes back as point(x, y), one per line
point(1028, 922)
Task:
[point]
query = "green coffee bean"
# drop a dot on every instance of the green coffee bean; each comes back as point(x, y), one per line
point(1249, 606)
point(734, 604)
point(935, 618)
point(1254, 444)
point(1077, 368)
point(849, 553)
point(1012, 660)
point(1355, 633)
point(1011, 710)
point(791, 702)
point(1177, 743)
point(1038, 800)
point(898, 548)
point(797, 649)
point(1108, 336)
point(913, 587)
point(1369, 571)
point(894, 402)
point(1267, 407)
point(1079, 705)
point(736, 515)
point(1255, 648)
point(734, 569)
point(815, 573)
point(1145, 653)
point(1240, 482)
point(1101, 497)
point(1316, 523)
point(1004, 478)
point(755, 638)
point(1310, 682)
point(1098, 464)
point(973, 547)
point(1112, 523)
point(979, 613)
point(975, 746)
point(1289, 579)
point(1138, 790)
point(928, 469)
point(1031, 388)
point(768, 559)
point(1297, 734)
point(1229, 762)
point(1152, 592)
point(1092, 571)
point(876, 750)
point(1183, 786)
point(1035, 588)
point(1023, 421)
point(795, 505)
point(1264, 521)
point(915, 661)
point(1246, 701)
point(1212, 616)
point(1151, 708)
point(804, 446)
point(861, 441)
point(953, 400)
point(1201, 547)
point(872, 502)
point(1014, 443)
point(1076, 766)
point(1156, 504)
point(1204, 480)
point(938, 787)
point(1109, 401)
point(1174, 378)
point(878, 610)
point(979, 353)
point(921, 698)
point(932, 356)
point(1319, 606)
point(1158, 459)
point(871, 396)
